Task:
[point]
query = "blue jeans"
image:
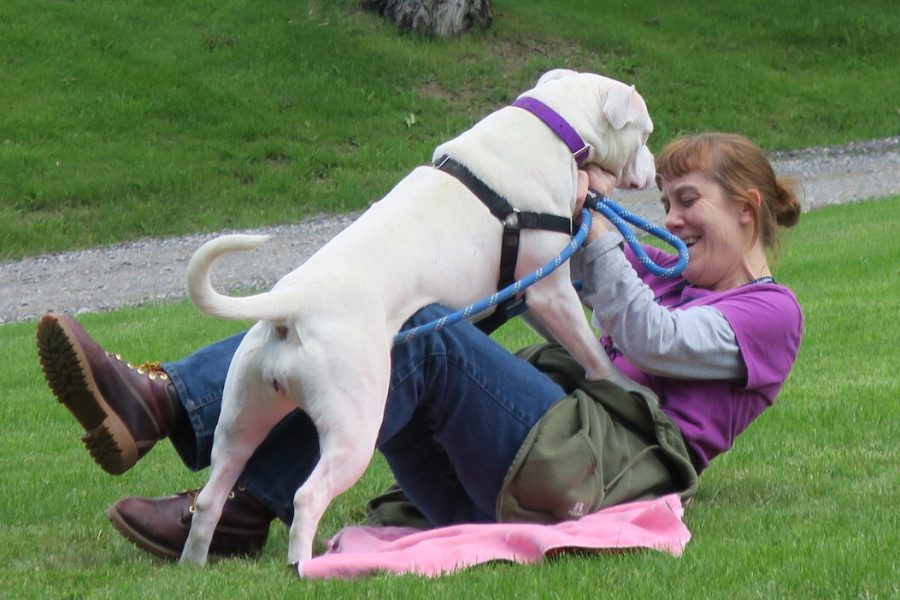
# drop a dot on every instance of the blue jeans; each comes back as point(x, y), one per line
point(458, 409)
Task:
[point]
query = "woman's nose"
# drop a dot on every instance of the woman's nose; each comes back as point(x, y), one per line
point(673, 219)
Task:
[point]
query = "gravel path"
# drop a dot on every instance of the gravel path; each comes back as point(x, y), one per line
point(152, 270)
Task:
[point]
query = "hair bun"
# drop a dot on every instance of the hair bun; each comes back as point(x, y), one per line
point(787, 206)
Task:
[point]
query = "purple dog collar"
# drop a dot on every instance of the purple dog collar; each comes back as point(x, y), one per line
point(551, 118)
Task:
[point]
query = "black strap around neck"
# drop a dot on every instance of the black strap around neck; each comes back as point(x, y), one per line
point(500, 206)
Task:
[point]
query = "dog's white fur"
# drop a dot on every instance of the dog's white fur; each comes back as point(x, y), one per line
point(324, 336)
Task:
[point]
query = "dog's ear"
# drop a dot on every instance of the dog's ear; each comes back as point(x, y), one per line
point(555, 74)
point(622, 105)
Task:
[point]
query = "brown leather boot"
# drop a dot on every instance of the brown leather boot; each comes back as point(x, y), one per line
point(124, 409)
point(160, 525)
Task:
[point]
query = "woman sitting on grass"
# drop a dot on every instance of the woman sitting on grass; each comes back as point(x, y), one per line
point(474, 433)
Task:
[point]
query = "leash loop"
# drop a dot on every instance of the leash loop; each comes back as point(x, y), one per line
point(617, 215)
point(620, 218)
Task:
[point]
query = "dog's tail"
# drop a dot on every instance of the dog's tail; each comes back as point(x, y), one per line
point(211, 302)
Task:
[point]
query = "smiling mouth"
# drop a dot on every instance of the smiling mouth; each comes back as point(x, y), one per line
point(690, 241)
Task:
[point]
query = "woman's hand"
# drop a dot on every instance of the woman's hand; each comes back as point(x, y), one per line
point(602, 182)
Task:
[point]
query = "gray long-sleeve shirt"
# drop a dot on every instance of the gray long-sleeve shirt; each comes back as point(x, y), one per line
point(691, 343)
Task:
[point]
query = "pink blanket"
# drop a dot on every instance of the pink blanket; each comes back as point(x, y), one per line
point(358, 551)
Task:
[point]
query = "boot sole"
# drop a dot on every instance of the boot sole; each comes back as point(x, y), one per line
point(133, 536)
point(69, 377)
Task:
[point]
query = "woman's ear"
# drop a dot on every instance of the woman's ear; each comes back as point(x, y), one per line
point(750, 208)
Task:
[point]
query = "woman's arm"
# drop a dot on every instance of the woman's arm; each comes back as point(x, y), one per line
point(696, 343)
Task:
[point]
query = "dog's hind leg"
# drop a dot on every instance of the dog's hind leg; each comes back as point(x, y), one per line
point(343, 461)
point(348, 430)
point(239, 432)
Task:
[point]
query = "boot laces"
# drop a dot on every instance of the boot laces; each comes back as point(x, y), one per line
point(192, 494)
point(151, 368)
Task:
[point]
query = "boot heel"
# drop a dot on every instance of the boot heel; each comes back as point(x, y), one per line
point(123, 409)
point(113, 453)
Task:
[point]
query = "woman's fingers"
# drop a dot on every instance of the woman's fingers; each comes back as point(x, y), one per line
point(595, 178)
point(581, 192)
point(602, 182)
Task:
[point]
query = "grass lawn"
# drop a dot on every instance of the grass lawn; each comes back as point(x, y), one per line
point(805, 505)
point(123, 119)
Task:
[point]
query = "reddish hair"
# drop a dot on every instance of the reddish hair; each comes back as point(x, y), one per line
point(738, 165)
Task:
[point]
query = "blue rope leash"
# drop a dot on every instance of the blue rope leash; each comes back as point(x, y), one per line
point(617, 215)
point(620, 217)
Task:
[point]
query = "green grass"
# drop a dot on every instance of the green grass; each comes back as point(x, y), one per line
point(123, 119)
point(804, 506)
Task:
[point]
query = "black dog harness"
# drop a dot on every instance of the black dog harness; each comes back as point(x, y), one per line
point(514, 221)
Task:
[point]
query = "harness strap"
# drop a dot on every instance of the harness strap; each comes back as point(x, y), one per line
point(514, 221)
point(498, 205)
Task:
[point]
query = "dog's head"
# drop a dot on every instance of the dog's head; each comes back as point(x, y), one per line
point(609, 116)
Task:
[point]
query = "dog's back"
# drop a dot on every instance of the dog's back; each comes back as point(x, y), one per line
point(410, 249)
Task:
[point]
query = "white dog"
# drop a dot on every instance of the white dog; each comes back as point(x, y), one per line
point(324, 336)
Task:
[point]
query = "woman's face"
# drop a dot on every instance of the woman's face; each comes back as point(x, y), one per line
point(717, 230)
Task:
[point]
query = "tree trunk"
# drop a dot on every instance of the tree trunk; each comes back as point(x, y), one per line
point(438, 18)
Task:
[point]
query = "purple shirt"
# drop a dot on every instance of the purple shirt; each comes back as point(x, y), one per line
point(768, 325)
